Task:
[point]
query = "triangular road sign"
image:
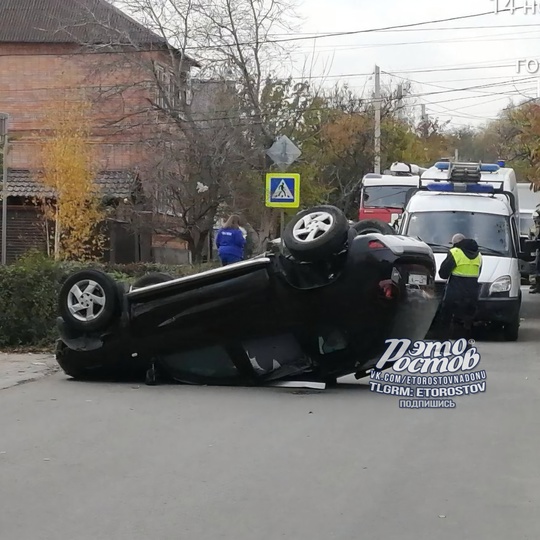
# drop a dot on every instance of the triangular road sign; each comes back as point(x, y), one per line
point(283, 192)
point(284, 151)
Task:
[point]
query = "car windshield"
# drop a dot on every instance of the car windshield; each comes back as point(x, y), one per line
point(385, 196)
point(491, 232)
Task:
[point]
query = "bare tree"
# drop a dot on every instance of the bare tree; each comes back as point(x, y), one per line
point(186, 146)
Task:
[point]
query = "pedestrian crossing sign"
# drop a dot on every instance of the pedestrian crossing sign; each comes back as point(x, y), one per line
point(282, 190)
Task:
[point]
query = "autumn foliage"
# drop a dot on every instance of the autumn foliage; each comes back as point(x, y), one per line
point(68, 169)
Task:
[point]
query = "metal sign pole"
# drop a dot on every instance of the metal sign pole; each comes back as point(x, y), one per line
point(4, 200)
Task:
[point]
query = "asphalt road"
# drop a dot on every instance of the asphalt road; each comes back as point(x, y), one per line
point(94, 461)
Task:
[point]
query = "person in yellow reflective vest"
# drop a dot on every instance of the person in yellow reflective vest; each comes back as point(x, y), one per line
point(462, 269)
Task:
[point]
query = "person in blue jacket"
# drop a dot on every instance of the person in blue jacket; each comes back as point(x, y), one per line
point(230, 242)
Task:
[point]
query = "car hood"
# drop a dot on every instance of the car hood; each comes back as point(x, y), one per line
point(492, 267)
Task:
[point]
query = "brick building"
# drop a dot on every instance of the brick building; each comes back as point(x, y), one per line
point(53, 50)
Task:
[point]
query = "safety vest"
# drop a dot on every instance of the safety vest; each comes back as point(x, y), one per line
point(466, 267)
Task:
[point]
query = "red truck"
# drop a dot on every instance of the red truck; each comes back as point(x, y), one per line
point(384, 196)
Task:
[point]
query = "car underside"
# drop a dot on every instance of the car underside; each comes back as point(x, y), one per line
point(319, 306)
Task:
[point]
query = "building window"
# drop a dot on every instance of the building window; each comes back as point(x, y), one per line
point(161, 80)
point(170, 93)
point(187, 87)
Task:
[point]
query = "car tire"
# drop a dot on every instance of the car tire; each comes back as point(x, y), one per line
point(78, 365)
point(92, 290)
point(511, 330)
point(80, 374)
point(369, 226)
point(317, 233)
point(152, 278)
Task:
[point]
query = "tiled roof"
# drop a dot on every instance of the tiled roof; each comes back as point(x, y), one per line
point(70, 21)
point(23, 183)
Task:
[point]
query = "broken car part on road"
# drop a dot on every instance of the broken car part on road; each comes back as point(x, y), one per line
point(320, 306)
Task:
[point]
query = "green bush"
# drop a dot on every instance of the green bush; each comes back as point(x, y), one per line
point(29, 291)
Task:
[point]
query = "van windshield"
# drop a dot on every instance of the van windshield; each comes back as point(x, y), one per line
point(385, 196)
point(491, 232)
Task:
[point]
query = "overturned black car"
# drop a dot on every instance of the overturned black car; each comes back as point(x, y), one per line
point(320, 305)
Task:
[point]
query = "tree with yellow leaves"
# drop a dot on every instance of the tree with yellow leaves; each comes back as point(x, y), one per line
point(68, 169)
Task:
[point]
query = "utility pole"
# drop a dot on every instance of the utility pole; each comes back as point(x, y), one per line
point(5, 138)
point(377, 120)
point(456, 155)
point(424, 121)
point(399, 100)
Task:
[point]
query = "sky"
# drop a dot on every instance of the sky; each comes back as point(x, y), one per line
point(446, 67)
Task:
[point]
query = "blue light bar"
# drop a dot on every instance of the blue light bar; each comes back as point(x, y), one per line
point(441, 186)
point(485, 167)
point(442, 165)
point(480, 188)
point(449, 187)
point(489, 167)
point(501, 163)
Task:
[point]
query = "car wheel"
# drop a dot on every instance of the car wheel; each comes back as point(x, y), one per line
point(153, 278)
point(369, 226)
point(511, 330)
point(78, 365)
point(316, 233)
point(88, 300)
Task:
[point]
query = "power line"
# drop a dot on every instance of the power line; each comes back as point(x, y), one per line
point(470, 39)
point(443, 80)
point(284, 40)
point(441, 69)
point(241, 119)
point(314, 35)
point(365, 31)
point(470, 89)
point(117, 90)
point(412, 95)
point(251, 117)
point(468, 79)
point(456, 112)
point(476, 97)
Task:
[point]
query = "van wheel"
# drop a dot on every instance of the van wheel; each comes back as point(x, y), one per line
point(511, 330)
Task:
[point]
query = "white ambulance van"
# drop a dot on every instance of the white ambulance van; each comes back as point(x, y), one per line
point(480, 202)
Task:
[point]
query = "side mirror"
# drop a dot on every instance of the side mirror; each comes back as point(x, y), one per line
point(530, 245)
point(526, 256)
